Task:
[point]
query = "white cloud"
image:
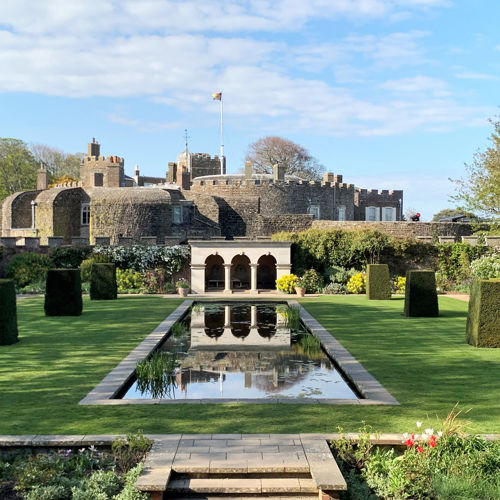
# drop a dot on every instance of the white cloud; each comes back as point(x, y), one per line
point(476, 76)
point(418, 84)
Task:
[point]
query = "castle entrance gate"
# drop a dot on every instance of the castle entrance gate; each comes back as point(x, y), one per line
point(238, 265)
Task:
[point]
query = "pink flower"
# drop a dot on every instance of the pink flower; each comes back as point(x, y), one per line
point(409, 442)
point(432, 441)
point(420, 449)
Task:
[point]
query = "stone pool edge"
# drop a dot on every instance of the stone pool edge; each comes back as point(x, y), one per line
point(372, 391)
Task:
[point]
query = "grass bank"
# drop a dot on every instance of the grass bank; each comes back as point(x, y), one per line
point(424, 363)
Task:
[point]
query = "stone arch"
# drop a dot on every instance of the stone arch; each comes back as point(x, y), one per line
point(266, 272)
point(214, 272)
point(240, 272)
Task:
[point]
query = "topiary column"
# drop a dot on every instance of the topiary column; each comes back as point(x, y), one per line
point(378, 285)
point(420, 294)
point(63, 294)
point(8, 313)
point(483, 319)
point(103, 282)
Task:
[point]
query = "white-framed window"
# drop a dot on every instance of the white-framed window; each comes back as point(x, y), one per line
point(85, 214)
point(314, 211)
point(341, 212)
point(388, 213)
point(177, 214)
point(372, 214)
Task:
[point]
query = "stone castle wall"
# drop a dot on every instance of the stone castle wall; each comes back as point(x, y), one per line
point(373, 198)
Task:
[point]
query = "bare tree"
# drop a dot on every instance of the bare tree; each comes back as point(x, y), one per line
point(272, 150)
point(58, 163)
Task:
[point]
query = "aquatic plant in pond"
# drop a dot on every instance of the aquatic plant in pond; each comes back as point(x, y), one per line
point(156, 375)
point(291, 314)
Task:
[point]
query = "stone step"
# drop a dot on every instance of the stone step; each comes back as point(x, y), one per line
point(231, 486)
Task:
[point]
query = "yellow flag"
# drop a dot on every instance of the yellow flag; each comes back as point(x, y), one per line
point(217, 96)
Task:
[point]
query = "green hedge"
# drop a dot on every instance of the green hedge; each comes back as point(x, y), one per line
point(483, 319)
point(420, 294)
point(378, 283)
point(28, 267)
point(63, 295)
point(8, 313)
point(103, 282)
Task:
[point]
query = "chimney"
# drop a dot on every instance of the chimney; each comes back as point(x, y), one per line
point(279, 172)
point(328, 177)
point(94, 148)
point(41, 178)
point(248, 170)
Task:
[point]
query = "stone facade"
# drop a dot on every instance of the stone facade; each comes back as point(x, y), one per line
point(193, 201)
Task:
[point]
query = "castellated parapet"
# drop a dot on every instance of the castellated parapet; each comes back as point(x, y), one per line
point(101, 171)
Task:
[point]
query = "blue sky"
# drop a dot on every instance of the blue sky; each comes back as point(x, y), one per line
point(393, 94)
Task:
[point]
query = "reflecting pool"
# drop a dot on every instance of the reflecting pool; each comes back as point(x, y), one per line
point(239, 350)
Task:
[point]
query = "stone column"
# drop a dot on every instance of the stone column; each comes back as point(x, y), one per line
point(253, 277)
point(227, 316)
point(198, 278)
point(253, 316)
point(227, 278)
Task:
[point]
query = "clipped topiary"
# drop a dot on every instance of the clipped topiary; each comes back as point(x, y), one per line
point(63, 295)
point(103, 282)
point(378, 284)
point(420, 294)
point(483, 319)
point(8, 313)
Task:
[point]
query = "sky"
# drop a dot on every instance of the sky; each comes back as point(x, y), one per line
point(392, 94)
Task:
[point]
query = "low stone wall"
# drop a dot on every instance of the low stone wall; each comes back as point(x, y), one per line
point(404, 229)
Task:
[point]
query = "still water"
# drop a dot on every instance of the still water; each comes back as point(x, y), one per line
point(240, 350)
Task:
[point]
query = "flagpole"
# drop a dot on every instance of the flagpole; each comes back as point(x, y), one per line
point(221, 136)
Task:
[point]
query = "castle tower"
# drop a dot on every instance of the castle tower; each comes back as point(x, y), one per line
point(41, 178)
point(100, 171)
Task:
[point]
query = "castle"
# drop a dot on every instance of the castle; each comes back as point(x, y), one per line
point(193, 200)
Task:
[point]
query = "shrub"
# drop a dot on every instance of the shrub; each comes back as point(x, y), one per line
point(483, 327)
point(420, 294)
point(312, 281)
point(87, 264)
point(182, 283)
point(63, 295)
point(378, 285)
point(69, 257)
point(129, 492)
point(357, 284)
point(8, 313)
point(486, 268)
point(334, 289)
point(100, 485)
point(341, 275)
point(130, 451)
point(103, 282)
point(139, 258)
point(398, 285)
point(128, 281)
point(287, 283)
point(28, 267)
point(155, 281)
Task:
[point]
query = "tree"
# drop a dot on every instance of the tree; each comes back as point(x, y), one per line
point(17, 167)
point(272, 150)
point(450, 212)
point(58, 163)
point(481, 191)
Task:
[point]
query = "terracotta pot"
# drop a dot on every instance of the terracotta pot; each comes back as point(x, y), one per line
point(183, 292)
point(300, 291)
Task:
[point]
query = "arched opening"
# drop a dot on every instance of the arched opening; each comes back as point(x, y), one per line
point(266, 273)
point(266, 319)
point(214, 323)
point(240, 320)
point(214, 273)
point(240, 273)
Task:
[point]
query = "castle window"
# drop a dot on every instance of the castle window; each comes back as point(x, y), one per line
point(85, 214)
point(372, 214)
point(98, 180)
point(388, 213)
point(177, 214)
point(314, 211)
point(341, 210)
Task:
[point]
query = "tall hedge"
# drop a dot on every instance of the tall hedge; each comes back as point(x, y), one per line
point(378, 285)
point(8, 313)
point(63, 295)
point(103, 281)
point(483, 319)
point(420, 294)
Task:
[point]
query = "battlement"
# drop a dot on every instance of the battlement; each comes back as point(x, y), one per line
point(101, 171)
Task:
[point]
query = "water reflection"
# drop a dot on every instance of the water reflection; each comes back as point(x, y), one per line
point(243, 351)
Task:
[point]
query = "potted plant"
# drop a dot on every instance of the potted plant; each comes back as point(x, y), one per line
point(182, 287)
point(300, 289)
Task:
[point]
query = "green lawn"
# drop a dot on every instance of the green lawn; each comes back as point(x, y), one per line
point(424, 363)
